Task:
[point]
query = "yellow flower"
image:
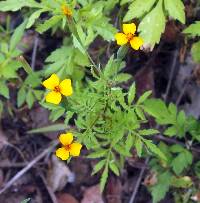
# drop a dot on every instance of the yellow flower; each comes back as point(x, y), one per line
point(66, 10)
point(57, 89)
point(69, 147)
point(129, 37)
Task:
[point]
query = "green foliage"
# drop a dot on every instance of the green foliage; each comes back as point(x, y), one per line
point(153, 14)
point(193, 30)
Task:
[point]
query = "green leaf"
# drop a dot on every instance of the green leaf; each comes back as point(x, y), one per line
point(193, 30)
point(17, 35)
point(148, 132)
point(122, 77)
point(30, 98)
point(153, 25)
point(162, 187)
point(78, 44)
point(182, 182)
point(4, 89)
point(170, 131)
point(114, 168)
point(34, 17)
point(13, 5)
point(21, 96)
point(138, 8)
point(143, 97)
point(104, 178)
point(98, 154)
point(196, 51)
point(98, 166)
point(175, 9)
point(131, 93)
point(121, 150)
point(50, 128)
point(49, 23)
point(138, 146)
point(152, 147)
point(129, 142)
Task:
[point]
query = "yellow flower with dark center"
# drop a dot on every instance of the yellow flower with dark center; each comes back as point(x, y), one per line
point(57, 89)
point(66, 10)
point(69, 147)
point(128, 36)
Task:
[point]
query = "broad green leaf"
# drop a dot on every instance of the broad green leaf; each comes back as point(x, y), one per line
point(153, 25)
point(175, 9)
point(122, 77)
point(49, 23)
point(193, 30)
point(78, 44)
point(17, 35)
point(182, 182)
point(30, 98)
point(170, 131)
point(138, 8)
point(162, 187)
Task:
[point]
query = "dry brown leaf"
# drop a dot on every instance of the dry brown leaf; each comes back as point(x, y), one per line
point(92, 195)
point(66, 198)
point(150, 179)
point(59, 174)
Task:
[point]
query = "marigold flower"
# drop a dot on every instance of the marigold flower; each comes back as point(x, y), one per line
point(66, 10)
point(129, 36)
point(57, 89)
point(69, 147)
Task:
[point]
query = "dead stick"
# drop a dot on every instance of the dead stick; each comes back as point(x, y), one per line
point(29, 166)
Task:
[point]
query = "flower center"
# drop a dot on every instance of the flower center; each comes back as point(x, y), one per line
point(68, 147)
point(57, 89)
point(66, 11)
point(129, 36)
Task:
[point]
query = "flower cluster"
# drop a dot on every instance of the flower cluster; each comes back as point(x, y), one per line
point(128, 36)
point(66, 10)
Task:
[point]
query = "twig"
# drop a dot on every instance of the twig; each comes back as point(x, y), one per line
point(138, 182)
point(51, 193)
point(174, 62)
point(182, 92)
point(17, 165)
point(28, 167)
point(33, 57)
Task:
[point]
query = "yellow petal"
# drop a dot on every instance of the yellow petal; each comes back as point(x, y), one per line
point(75, 149)
point(62, 153)
point(53, 97)
point(51, 82)
point(129, 28)
point(66, 139)
point(136, 43)
point(121, 39)
point(66, 87)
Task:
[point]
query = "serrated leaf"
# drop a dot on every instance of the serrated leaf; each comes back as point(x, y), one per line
point(98, 166)
point(143, 97)
point(129, 142)
point(114, 168)
point(78, 44)
point(152, 147)
point(49, 23)
point(148, 132)
point(193, 30)
point(138, 8)
point(131, 93)
point(17, 35)
point(104, 178)
point(170, 131)
point(153, 25)
point(98, 154)
point(122, 77)
point(138, 146)
point(162, 187)
point(175, 9)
